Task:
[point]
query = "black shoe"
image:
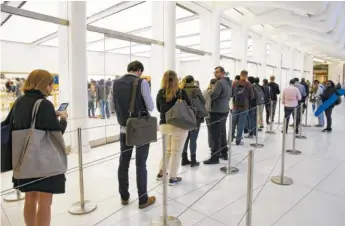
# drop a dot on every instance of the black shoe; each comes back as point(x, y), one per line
point(268, 123)
point(224, 157)
point(194, 163)
point(213, 160)
point(185, 161)
point(327, 130)
point(239, 143)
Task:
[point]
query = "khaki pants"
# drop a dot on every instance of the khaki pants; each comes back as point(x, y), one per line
point(260, 117)
point(174, 139)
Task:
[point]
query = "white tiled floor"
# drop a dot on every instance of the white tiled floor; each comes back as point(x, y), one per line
point(317, 196)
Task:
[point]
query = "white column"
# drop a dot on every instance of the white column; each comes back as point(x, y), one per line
point(206, 64)
point(215, 40)
point(78, 78)
point(279, 71)
point(157, 55)
point(169, 34)
point(240, 47)
point(291, 63)
point(302, 65)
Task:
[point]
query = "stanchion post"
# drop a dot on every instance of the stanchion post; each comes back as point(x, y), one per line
point(300, 136)
point(282, 179)
point(229, 169)
point(293, 151)
point(279, 100)
point(14, 196)
point(83, 206)
point(165, 220)
point(257, 145)
point(271, 116)
point(306, 115)
point(250, 188)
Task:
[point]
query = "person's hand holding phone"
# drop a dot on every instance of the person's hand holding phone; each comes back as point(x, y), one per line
point(62, 114)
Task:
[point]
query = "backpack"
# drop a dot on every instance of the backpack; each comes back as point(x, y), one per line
point(201, 111)
point(240, 97)
point(259, 94)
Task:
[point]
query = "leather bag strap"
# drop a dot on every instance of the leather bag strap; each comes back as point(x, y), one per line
point(133, 96)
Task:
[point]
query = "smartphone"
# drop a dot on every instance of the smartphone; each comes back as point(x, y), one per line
point(63, 107)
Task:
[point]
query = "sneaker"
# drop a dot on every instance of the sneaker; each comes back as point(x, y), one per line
point(150, 201)
point(194, 164)
point(239, 143)
point(159, 177)
point(174, 181)
point(261, 127)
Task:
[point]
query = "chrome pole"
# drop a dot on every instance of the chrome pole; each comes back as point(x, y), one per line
point(165, 220)
point(81, 207)
point(279, 100)
point(306, 115)
point(300, 136)
point(228, 169)
point(250, 188)
point(282, 179)
point(257, 145)
point(293, 151)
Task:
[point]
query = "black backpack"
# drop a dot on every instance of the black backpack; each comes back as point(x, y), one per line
point(240, 97)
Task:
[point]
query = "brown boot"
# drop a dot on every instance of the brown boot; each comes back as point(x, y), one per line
point(124, 202)
point(150, 201)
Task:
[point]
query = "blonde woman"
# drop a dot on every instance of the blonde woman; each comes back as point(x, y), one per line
point(38, 193)
point(174, 136)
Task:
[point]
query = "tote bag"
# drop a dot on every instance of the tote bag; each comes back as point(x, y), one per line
point(181, 115)
point(142, 129)
point(37, 153)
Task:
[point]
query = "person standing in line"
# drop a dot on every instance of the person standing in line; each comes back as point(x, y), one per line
point(275, 91)
point(103, 91)
point(174, 137)
point(261, 107)
point(306, 86)
point(207, 97)
point(220, 98)
point(122, 91)
point(194, 93)
point(252, 116)
point(291, 97)
point(312, 97)
point(318, 97)
point(268, 94)
point(330, 90)
point(91, 98)
point(242, 96)
point(18, 88)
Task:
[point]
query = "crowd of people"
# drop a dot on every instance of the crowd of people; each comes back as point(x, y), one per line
point(15, 88)
point(250, 98)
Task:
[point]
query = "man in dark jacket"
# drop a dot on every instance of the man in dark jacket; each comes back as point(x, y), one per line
point(275, 91)
point(267, 91)
point(103, 91)
point(220, 97)
point(303, 82)
point(122, 90)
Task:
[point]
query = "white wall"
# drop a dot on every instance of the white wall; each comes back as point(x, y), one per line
point(17, 57)
point(334, 71)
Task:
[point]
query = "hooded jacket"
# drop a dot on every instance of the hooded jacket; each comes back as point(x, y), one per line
point(220, 96)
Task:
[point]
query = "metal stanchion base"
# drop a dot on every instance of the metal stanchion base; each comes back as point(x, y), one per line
point(229, 171)
point(278, 180)
point(172, 221)
point(257, 145)
point(13, 197)
point(301, 137)
point(77, 209)
point(294, 152)
point(270, 132)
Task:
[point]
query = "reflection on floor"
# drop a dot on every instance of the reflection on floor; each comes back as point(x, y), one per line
point(317, 196)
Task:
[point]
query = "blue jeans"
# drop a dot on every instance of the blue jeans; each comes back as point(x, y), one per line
point(238, 120)
point(320, 118)
point(105, 108)
point(252, 121)
point(191, 139)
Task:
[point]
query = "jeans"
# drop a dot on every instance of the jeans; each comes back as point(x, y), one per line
point(252, 121)
point(320, 118)
point(238, 120)
point(313, 106)
point(274, 109)
point(218, 132)
point(191, 139)
point(142, 153)
point(105, 108)
point(290, 111)
point(91, 109)
point(261, 115)
point(328, 113)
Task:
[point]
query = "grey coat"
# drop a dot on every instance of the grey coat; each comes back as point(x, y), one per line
point(220, 96)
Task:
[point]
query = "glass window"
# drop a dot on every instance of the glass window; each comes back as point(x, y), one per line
point(187, 41)
point(187, 28)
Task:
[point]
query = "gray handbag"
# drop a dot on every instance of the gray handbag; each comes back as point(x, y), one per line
point(181, 115)
point(37, 153)
point(141, 129)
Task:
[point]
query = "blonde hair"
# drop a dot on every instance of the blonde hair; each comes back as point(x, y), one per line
point(183, 83)
point(38, 80)
point(170, 84)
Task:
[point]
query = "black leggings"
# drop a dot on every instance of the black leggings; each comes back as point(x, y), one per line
point(328, 114)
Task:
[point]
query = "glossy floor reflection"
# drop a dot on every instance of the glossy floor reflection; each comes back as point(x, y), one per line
point(207, 197)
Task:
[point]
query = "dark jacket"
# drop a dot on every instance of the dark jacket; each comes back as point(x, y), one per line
point(122, 90)
point(275, 91)
point(220, 96)
point(306, 87)
point(329, 91)
point(46, 116)
point(194, 92)
point(163, 106)
point(103, 90)
point(266, 90)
